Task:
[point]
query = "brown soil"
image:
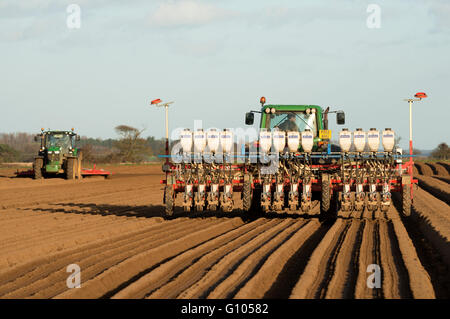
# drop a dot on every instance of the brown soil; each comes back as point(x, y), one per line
point(445, 165)
point(440, 170)
point(424, 169)
point(115, 231)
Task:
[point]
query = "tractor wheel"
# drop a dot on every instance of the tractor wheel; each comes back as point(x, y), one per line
point(406, 200)
point(255, 206)
point(247, 196)
point(169, 201)
point(38, 165)
point(325, 201)
point(71, 168)
point(79, 165)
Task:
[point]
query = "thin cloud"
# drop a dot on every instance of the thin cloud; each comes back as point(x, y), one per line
point(187, 13)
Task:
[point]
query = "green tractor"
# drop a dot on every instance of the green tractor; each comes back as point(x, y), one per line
point(57, 155)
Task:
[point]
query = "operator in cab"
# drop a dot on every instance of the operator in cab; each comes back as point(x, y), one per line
point(289, 124)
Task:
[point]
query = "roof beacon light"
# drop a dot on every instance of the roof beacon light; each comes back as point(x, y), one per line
point(421, 95)
point(262, 100)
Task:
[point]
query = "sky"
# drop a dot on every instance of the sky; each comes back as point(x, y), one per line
point(215, 59)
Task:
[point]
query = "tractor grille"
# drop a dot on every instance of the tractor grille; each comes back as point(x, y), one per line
point(53, 157)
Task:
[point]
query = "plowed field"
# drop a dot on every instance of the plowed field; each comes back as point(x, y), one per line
point(114, 230)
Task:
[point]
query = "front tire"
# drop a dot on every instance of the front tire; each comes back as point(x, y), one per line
point(325, 202)
point(37, 167)
point(406, 200)
point(71, 168)
point(169, 200)
point(247, 196)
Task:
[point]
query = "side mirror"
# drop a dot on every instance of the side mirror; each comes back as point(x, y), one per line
point(340, 118)
point(35, 138)
point(77, 138)
point(249, 118)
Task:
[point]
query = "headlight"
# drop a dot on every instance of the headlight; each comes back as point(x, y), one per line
point(56, 152)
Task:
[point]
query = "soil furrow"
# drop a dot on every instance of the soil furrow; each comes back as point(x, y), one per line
point(112, 278)
point(316, 269)
point(188, 260)
point(225, 266)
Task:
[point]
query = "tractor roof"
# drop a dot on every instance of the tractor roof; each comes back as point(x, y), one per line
point(291, 107)
point(59, 132)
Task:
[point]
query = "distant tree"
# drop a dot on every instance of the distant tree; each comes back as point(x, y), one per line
point(442, 151)
point(132, 147)
point(8, 154)
point(416, 151)
point(23, 143)
point(158, 146)
point(88, 154)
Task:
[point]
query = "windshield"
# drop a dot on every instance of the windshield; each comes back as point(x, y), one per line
point(292, 121)
point(58, 140)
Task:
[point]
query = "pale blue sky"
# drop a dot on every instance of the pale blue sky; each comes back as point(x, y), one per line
point(216, 58)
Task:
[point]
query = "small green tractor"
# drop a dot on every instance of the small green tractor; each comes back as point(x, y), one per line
point(57, 155)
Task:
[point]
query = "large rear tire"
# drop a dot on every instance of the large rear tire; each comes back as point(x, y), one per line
point(325, 201)
point(71, 168)
point(255, 206)
point(169, 200)
point(247, 196)
point(406, 200)
point(37, 167)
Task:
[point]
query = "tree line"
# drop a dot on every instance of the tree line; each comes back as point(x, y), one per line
point(130, 147)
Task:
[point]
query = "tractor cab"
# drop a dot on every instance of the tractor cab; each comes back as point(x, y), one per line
point(299, 118)
point(292, 118)
point(60, 141)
